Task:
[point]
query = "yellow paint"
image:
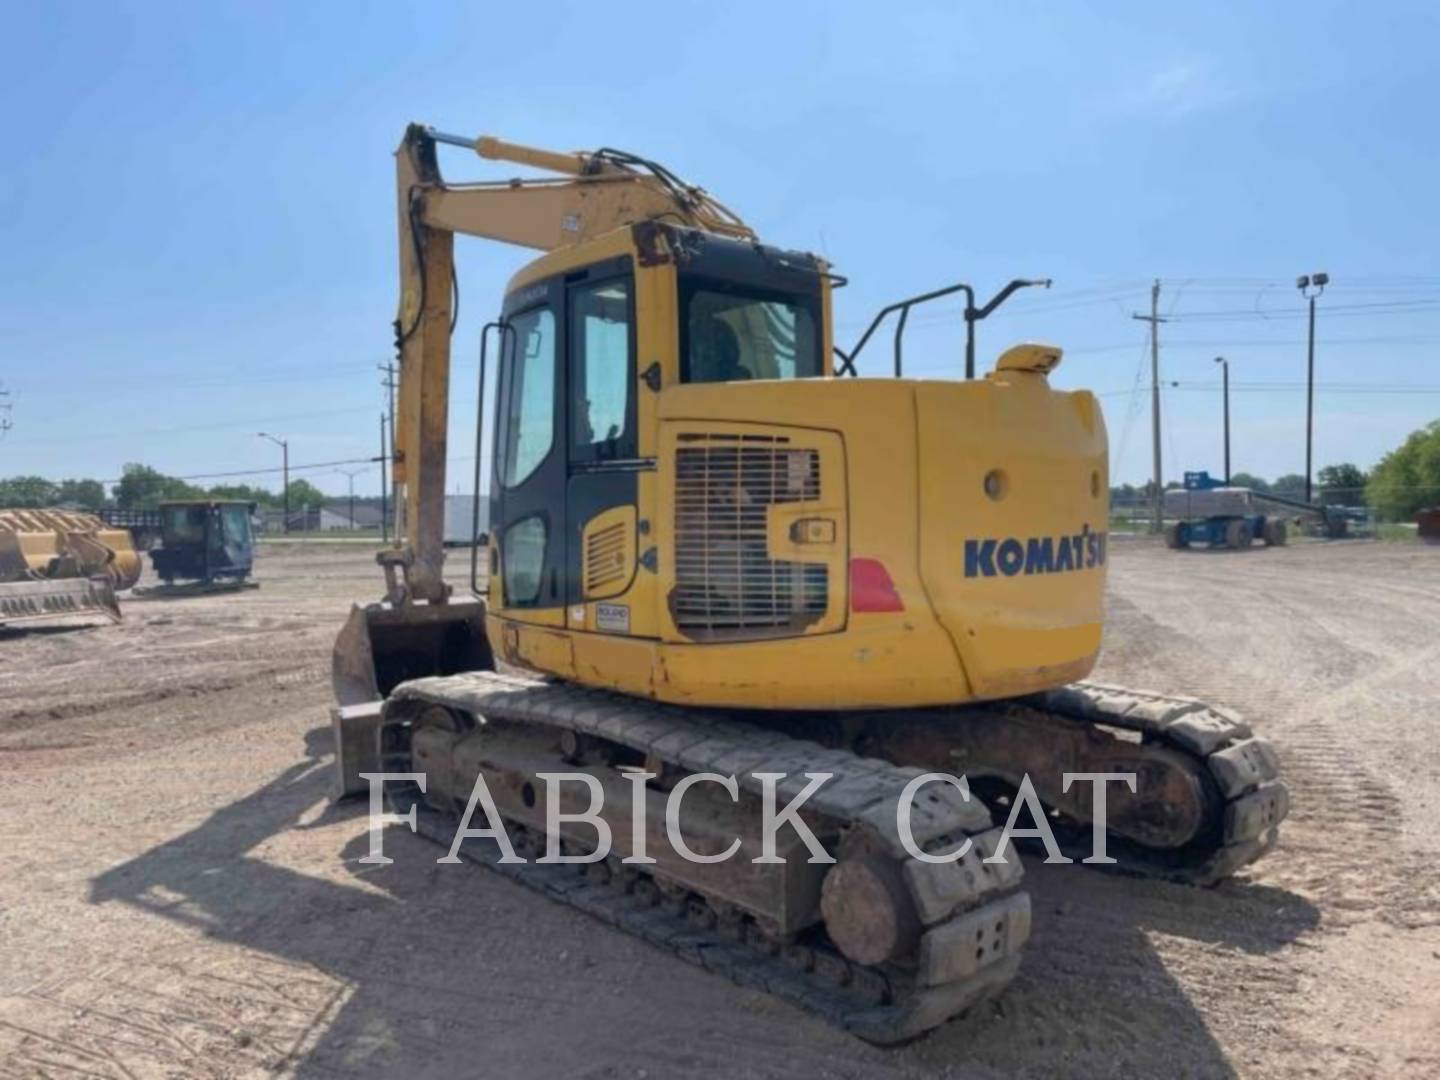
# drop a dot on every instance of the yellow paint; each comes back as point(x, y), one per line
point(607, 560)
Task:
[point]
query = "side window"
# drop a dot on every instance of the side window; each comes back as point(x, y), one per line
point(237, 524)
point(601, 374)
point(522, 560)
point(528, 431)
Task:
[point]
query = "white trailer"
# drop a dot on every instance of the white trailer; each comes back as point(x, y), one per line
point(460, 519)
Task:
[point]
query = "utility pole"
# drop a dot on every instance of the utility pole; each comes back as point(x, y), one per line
point(1157, 518)
point(388, 369)
point(284, 445)
point(384, 485)
point(5, 423)
point(1225, 393)
point(1303, 283)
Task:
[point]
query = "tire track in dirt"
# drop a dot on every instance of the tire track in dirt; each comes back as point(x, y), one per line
point(1343, 844)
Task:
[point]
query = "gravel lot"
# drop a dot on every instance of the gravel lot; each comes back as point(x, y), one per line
point(179, 899)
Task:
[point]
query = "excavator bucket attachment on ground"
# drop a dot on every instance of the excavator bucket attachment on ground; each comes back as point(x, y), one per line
point(39, 599)
point(381, 646)
point(57, 544)
point(57, 563)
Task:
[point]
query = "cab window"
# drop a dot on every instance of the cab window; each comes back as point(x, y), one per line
point(237, 524)
point(528, 423)
point(602, 371)
point(732, 334)
point(522, 561)
point(185, 524)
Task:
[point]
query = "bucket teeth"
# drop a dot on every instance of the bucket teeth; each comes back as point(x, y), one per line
point(23, 601)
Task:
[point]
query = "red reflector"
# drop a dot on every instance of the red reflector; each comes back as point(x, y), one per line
point(871, 588)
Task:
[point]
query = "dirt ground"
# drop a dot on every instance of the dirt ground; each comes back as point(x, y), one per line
point(178, 899)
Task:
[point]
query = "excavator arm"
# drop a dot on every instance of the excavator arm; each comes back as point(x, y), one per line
point(419, 630)
point(594, 194)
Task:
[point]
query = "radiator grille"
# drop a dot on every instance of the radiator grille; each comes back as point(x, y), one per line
point(726, 585)
point(605, 558)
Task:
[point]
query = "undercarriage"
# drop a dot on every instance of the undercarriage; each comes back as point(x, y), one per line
point(881, 942)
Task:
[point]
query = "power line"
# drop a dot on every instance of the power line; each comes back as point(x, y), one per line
point(1378, 307)
point(1210, 388)
point(1259, 343)
point(264, 472)
point(268, 421)
point(1075, 298)
point(1132, 409)
point(348, 371)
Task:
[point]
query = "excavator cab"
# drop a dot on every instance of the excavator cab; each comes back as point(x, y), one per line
point(205, 540)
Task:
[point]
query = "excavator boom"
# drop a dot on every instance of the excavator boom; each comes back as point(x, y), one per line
point(599, 193)
point(420, 629)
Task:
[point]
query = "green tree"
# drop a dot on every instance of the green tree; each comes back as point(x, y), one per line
point(27, 492)
point(142, 486)
point(1408, 478)
point(303, 493)
point(1291, 485)
point(1342, 485)
point(87, 493)
point(1249, 480)
point(256, 495)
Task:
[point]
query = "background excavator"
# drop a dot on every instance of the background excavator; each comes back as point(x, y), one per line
point(59, 563)
point(712, 548)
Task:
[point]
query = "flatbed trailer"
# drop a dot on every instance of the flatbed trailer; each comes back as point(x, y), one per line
point(145, 525)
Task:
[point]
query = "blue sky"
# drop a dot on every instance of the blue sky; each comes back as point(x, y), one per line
point(197, 233)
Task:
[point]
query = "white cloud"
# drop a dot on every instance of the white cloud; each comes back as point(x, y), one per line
point(1177, 89)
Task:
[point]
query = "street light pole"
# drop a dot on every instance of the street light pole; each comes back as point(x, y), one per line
point(350, 475)
point(284, 445)
point(974, 314)
point(384, 491)
point(1304, 284)
point(1225, 393)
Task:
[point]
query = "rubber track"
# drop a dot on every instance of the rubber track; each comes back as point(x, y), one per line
point(1245, 771)
point(961, 903)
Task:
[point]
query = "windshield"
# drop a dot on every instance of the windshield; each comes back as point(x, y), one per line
point(732, 333)
point(185, 524)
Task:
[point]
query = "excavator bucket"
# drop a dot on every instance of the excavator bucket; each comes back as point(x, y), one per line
point(56, 544)
point(23, 601)
point(381, 646)
point(55, 563)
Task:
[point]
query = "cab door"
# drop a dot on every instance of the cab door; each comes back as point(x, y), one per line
point(601, 491)
point(528, 482)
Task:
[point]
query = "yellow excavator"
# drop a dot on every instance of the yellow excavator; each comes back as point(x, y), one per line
point(60, 563)
point(712, 548)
